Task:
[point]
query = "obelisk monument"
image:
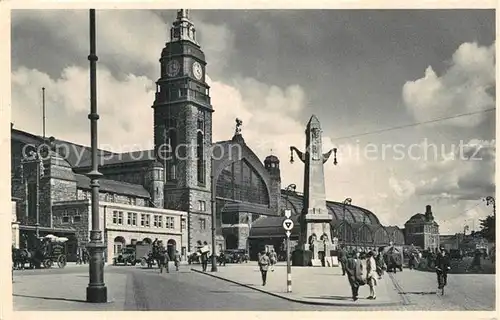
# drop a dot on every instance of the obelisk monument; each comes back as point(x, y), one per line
point(315, 235)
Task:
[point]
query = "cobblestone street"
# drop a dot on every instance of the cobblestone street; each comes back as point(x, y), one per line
point(134, 288)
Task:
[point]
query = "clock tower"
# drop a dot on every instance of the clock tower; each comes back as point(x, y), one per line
point(183, 129)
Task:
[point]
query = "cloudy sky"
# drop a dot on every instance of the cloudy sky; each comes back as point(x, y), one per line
point(361, 72)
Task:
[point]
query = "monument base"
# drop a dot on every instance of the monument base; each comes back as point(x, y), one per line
point(316, 263)
point(301, 258)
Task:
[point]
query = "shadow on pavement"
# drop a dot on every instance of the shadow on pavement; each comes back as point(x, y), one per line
point(343, 298)
point(421, 293)
point(49, 298)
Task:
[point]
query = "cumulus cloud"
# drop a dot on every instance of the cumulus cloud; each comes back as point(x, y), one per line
point(124, 106)
point(468, 175)
point(271, 124)
point(119, 48)
point(466, 86)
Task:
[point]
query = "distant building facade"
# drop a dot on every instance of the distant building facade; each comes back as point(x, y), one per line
point(422, 230)
point(465, 243)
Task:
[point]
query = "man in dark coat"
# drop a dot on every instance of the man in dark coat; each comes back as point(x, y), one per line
point(442, 265)
point(342, 258)
point(354, 270)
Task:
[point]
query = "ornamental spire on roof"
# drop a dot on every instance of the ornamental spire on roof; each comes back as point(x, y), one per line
point(183, 14)
point(183, 28)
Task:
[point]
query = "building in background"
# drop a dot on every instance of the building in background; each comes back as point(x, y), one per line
point(422, 230)
point(466, 243)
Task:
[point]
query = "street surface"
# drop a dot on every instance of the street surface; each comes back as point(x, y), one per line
point(134, 288)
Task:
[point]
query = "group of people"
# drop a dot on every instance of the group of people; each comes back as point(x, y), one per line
point(376, 265)
point(352, 266)
point(82, 255)
point(160, 253)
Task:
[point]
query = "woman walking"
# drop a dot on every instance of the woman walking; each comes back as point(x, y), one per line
point(273, 258)
point(371, 274)
point(381, 265)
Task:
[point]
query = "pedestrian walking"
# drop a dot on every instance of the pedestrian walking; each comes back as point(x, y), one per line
point(79, 255)
point(442, 265)
point(371, 274)
point(204, 250)
point(476, 261)
point(264, 262)
point(222, 259)
point(380, 261)
point(273, 258)
point(354, 271)
point(177, 260)
point(342, 255)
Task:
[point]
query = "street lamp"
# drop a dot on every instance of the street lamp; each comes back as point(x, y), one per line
point(38, 173)
point(490, 200)
point(96, 290)
point(347, 201)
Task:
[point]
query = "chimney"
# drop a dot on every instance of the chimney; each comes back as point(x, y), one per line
point(428, 209)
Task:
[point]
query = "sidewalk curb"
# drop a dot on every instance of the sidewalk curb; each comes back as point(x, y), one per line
point(311, 302)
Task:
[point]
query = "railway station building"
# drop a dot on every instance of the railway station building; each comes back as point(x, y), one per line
point(156, 193)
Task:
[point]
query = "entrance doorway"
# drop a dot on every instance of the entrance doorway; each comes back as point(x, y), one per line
point(171, 247)
point(231, 241)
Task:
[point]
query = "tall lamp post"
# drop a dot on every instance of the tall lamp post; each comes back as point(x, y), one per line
point(347, 201)
point(212, 201)
point(96, 290)
point(38, 173)
point(491, 200)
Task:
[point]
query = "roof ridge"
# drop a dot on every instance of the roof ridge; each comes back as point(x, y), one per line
point(111, 180)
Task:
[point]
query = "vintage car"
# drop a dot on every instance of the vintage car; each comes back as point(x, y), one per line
point(236, 256)
point(126, 256)
point(393, 257)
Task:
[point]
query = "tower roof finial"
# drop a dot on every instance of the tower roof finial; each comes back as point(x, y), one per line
point(183, 28)
point(182, 14)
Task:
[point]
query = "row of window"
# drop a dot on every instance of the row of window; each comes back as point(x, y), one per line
point(421, 229)
point(144, 220)
point(65, 218)
point(109, 197)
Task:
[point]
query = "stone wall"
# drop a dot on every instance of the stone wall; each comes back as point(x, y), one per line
point(275, 194)
point(196, 212)
point(72, 209)
point(18, 191)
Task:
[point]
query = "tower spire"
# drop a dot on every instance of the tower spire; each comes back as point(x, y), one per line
point(183, 14)
point(183, 28)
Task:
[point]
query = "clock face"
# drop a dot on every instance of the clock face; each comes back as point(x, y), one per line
point(173, 68)
point(197, 70)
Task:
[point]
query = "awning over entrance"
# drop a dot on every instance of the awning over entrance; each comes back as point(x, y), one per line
point(46, 229)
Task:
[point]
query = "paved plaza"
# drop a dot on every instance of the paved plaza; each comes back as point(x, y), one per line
point(237, 287)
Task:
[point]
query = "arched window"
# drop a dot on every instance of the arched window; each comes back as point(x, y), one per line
point(171, 154)
point(200, 158)
point(119, 243)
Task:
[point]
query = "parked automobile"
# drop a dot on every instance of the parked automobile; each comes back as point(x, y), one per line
point(236, 256)
point(126, 256)
point(456, 254)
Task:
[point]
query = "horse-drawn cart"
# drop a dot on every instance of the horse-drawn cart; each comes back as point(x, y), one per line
point(54, 252)
point(49, 251)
